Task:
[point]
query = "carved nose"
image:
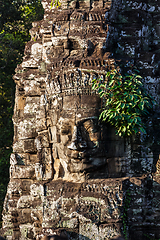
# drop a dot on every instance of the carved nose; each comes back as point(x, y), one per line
point(77, 142)
point(73, 145)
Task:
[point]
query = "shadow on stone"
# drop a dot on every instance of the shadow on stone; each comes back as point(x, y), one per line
point(1, 238)
point(117, 238)
point(54, 237)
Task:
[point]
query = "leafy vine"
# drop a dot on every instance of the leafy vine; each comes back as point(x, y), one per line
point(126, 102)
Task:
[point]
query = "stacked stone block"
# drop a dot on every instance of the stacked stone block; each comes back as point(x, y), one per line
point(72, 45)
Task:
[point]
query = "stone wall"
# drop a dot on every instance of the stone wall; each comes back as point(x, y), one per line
point(68, 171)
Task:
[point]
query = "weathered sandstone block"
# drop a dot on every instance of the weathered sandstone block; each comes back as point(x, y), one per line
point(68, 170)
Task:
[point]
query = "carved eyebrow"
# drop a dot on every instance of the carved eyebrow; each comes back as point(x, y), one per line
point(86, 119)
point(89, 126)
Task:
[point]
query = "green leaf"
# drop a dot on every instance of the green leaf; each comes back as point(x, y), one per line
point(102, 94)
point(142, 130)
point(112, 76)
point(124, 129)
point(138, 76)
point(141, 105)
point(122, 105)
point(108, 74)
point(111, 82)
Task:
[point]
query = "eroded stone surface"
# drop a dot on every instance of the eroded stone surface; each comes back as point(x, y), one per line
point(69, 171)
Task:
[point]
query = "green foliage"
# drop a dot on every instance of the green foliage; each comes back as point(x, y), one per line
point(16, 19)
point(126, 102)
point(31, 11)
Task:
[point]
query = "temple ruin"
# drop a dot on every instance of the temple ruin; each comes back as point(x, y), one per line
point(68, 171)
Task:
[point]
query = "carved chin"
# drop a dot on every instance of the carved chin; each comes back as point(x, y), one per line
point(82, 154)
point(87, 165)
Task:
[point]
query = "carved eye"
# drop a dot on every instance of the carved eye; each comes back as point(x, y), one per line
point(91, 126)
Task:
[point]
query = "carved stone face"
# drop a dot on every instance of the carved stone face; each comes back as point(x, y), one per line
point(80, 144)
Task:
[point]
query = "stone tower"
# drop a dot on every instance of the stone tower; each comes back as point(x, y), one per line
point(68, 171)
